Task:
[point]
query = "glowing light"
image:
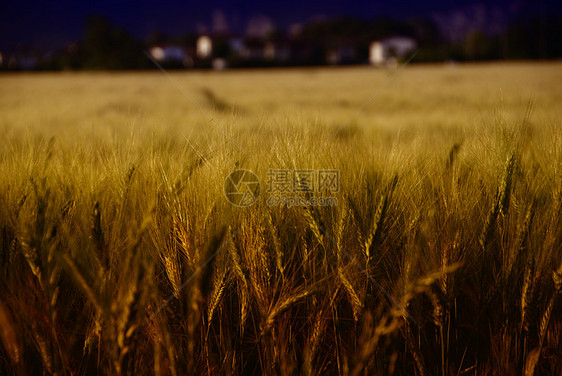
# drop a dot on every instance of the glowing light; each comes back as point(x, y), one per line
point(204, 47)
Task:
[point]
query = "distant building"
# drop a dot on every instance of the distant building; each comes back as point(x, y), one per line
point(254, 49)
point(341, 55)
point(171, 54)
point(204, 47)
point(376, 54)
point(382, 53)
point(277, 51)
point(24, 60)
point(236, 45)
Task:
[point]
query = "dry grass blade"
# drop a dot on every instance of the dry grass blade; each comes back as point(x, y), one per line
point(523, 235)
point(213, 248)
point(93, 333)
point(312, 345)
point(44, 349)
point(279, 256)
point(241, 279)
point(535, 354)
point(453, 154)
point(83, 284)
point(339, 232)
point(9, 336)
point(531, 361)
point(370, 338)
point(97, 236)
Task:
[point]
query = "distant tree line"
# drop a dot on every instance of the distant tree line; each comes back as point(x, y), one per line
point(106, 46)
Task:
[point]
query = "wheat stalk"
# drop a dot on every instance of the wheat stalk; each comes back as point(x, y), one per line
point(354, 299)
point(82, 283)
point(505, 187)
point(8, 335)
point(339, 233)
point(376, 227)
point(43, 348)
point(98, 238)
point(534, 355)
point(319, 325)
point(279, 307)
point(172, 267)
point(241, 279)
point(279, 256)
point(526, 294)
point(219, 286)
point(489, 226)
point(316, 229)
point(453, 154)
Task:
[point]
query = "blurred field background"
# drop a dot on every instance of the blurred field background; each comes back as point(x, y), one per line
point(443, 256)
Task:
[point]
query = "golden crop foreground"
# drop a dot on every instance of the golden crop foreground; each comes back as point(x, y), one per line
point(120, 253)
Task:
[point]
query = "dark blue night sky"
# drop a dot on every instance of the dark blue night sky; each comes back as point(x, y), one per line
point(52, 24)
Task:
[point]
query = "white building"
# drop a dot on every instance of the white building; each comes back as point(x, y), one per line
point(204, 47)
point(376, 53)
point(383, 52)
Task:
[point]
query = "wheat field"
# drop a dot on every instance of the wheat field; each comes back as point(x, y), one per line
point(121, 254)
